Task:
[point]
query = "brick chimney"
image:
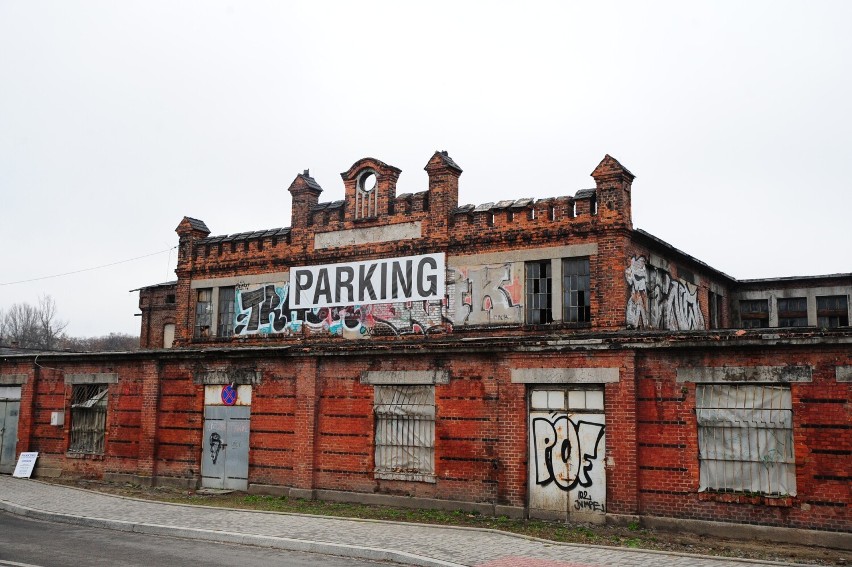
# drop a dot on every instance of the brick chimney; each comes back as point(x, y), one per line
point(305, 191)
point(613, 182)
point(444, 176)
point(189, 231)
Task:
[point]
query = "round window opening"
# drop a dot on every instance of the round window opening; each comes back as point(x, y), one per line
point(367, 181)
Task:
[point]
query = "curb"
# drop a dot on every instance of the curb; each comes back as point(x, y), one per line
point(288, 544)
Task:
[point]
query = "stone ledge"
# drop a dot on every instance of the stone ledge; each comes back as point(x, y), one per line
point(515, 512)
point(833, 540)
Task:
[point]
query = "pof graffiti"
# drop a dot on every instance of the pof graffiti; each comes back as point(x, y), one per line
point(658, 301)
point(560, 440)
point(266, 310)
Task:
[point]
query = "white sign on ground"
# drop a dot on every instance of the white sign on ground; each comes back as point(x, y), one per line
point(25, 466)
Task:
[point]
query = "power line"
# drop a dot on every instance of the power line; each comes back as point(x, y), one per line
point(90, 269)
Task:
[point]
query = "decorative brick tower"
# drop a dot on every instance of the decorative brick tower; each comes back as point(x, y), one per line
point(613, 182)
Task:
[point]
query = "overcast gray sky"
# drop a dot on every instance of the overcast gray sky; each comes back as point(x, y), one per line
point(119, 118)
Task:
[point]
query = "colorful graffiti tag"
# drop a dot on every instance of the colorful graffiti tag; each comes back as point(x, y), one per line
point(266, 310)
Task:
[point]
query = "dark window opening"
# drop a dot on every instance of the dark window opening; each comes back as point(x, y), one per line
point(225, 323)
point(539, 295)
point(203, 313)
point(170, 298)
point(793, 312)
point(754, 313)
point(832, 311)
point(576, 290)
point(715, 301)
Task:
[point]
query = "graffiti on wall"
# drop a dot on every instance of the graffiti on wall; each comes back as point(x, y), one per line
point(266, 310)
point(215, 446)
point(483, 295)
point(562, 443)
point(658, 301)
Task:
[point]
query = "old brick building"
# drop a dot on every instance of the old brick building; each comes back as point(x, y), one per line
point(526, 357)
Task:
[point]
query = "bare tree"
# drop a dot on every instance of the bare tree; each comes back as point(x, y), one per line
point(50, 328)
point(32, 326)
point(108, 343)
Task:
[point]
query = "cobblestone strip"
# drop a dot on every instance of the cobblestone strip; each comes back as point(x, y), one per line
point(411, 544)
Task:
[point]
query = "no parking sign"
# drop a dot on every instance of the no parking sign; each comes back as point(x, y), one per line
point(229, 395)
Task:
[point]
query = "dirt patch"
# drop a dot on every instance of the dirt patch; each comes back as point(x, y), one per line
point(628, 536)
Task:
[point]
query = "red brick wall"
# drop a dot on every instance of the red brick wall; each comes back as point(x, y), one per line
point(822, 428)
point(312, 422)
point(158, 306)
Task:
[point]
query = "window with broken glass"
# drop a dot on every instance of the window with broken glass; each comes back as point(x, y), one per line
point(832, 311)
point(716, 302)
point(88, 418)
point(754, 313)
point(539, 294)
point(203, 312)
point(225, 320)
point(745, 439)
point(405, 432)
point(793, 312)
point(575, 290)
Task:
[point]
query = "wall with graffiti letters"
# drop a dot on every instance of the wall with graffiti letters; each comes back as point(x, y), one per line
point(265, 309)
point(567, 473)
point(566, 444)
point(486, 294)
point(475, 295)
point(656, 300)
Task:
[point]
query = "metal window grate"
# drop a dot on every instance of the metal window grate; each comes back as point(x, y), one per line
point(88, 418)
point(405, 432)
point(745, 438)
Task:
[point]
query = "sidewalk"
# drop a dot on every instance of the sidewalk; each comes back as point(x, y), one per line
point(408, 544)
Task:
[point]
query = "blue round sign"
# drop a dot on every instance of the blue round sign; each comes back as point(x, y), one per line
point(229, 395)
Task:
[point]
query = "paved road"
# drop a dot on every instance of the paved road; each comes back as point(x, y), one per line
point(48, 544)
point(408, 544)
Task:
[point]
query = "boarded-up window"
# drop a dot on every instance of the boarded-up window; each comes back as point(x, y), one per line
point(168, 335)
point(745, 438)
point(88, 418)
point(405, 432)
